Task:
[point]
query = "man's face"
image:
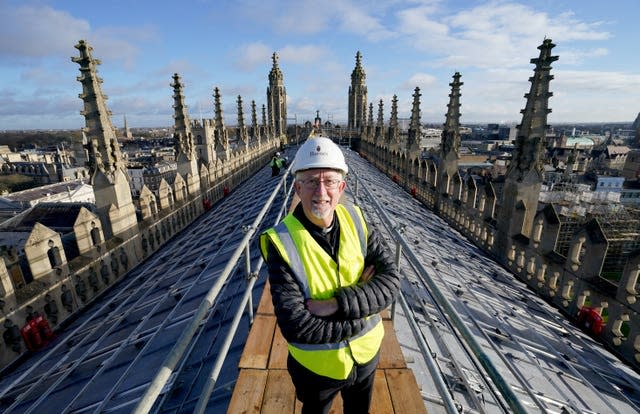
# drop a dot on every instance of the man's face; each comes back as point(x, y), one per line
point(319, 191)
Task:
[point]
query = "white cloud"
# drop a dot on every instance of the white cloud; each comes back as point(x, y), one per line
point(35, 32)
point(29, 32)
point(352, 18)
point(578, 57)
point(627, 84)
point(421, 80)
point(306, 54)
point(493, 34)
point(252, 55)
point(310, 17)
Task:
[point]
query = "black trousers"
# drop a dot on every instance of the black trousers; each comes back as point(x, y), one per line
point(317, 392)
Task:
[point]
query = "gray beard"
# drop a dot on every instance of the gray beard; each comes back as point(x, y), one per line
point(318, 213)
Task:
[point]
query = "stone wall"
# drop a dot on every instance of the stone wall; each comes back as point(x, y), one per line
point(569, 283)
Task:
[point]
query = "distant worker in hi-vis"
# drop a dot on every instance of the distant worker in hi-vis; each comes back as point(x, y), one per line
point(275, 164)
point(330, 276)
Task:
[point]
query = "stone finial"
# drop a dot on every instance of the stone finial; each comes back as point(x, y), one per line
point(450, 142)
point(102, 144)
point(528, 152)
point(380, 121)
point(182, 125)
point(415, 128)
point(394, 133)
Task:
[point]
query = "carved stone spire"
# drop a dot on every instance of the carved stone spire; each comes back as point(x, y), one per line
point(277, 99)
point(220, 131)
point(524, 176)
point(415, 128)
point(357, 96)
point(103, 145)
point(393, 136)
point(265, 124)
point(370, 127)
point(186, 157)
point(528, 152)
point(182, 125)
point(255, 131)
point(127, 132)
point(241, 134)
point(106, 165)
point(450, 143)
point(380, 122)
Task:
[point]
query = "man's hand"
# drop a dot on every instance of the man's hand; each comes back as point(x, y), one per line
point(367, 274)
point(323, 307)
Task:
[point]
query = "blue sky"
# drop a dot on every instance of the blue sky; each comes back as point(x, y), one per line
point(228, 44)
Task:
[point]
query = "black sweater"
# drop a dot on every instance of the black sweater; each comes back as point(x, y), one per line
point(354, 302)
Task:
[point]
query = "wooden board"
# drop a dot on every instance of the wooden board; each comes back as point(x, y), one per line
point(265, 307)
point(404, 391)
point(258, 346)
point(248, 392)
point(279, 351)
point(381, 400)
point(391, 355)
point(280, 395)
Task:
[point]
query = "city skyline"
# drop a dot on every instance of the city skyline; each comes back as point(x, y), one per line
point(404, 44)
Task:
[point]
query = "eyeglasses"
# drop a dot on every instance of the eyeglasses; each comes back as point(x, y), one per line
point(314, 183)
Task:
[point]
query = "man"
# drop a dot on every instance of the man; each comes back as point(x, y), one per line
point(330, 276)
point(275, 164)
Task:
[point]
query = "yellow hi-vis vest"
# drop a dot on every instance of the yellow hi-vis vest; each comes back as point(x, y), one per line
point(319, 276)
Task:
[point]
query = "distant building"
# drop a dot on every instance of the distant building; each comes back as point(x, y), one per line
point(78, 191)
point(630, 196)
point(499, 132)
point(136, 179)
point(357, 113)
point(430, 138)
point(44, 166)
point(610, 157)
point(607, 183)
point(152, 175)
point(631, 169)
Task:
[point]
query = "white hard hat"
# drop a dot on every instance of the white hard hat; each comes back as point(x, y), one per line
point(319, 152)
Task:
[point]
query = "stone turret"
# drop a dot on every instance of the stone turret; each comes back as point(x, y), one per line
point(202, 131)
point(317, 122)
point(380, 122)
point(265, 125)
point(450, 143)
point(241, 132)
point(106, 165)
point(415, 128)
point(524, 175)
point(127, 132)
point(277, 99)
point(357, 96)
point(182, 125)
point(255, 129)
point(393, 135)
point(220, 131)
point(186, 157)
point(370, 127)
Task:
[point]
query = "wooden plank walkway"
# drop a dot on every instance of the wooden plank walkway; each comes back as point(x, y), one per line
point(264, 385)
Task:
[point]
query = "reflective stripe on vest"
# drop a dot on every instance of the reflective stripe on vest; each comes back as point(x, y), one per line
point(369, 325)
